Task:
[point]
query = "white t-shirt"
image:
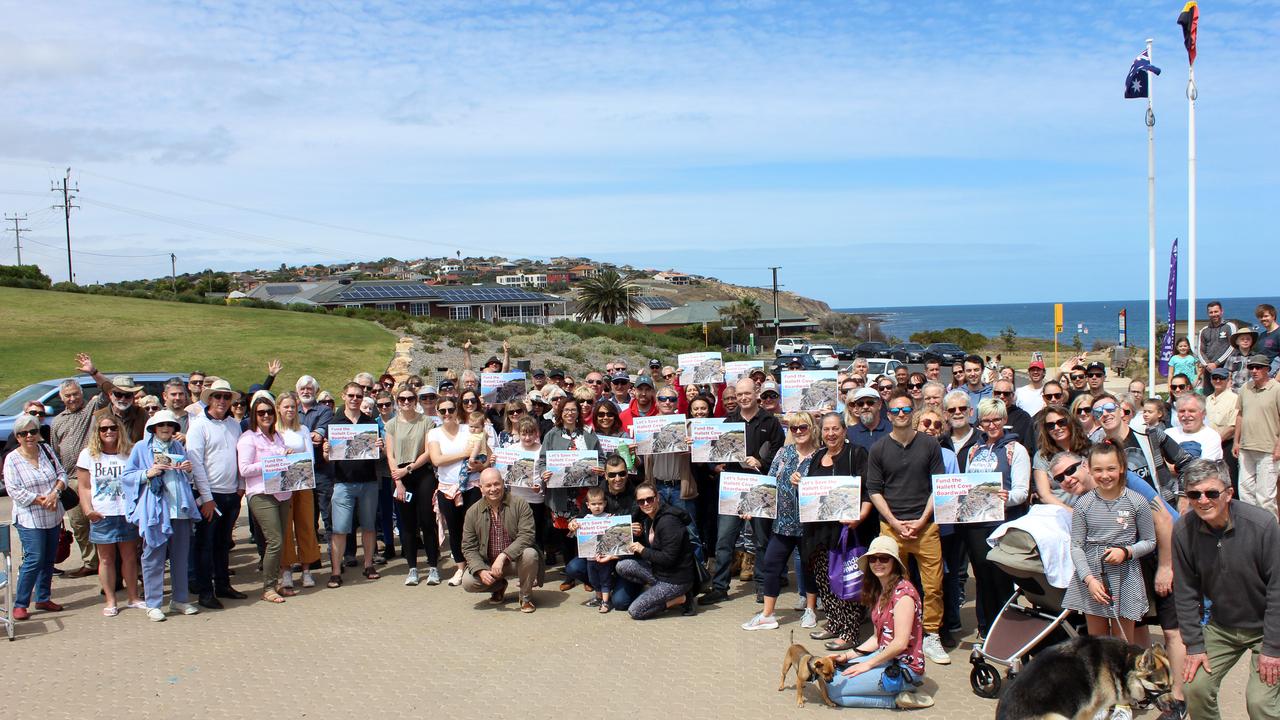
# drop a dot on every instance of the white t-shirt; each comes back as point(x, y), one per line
point(450, 473)
point(296, 440)
point(105, 473)
point(1205, 444)
point(1029, 399)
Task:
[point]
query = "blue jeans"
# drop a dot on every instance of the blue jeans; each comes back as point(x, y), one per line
point(39, 545)
point(865, 691)
point(176, 551)
point(726, 540)
point(387, 514)
point(624, 590)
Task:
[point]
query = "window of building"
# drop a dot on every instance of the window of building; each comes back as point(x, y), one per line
point(460, 312)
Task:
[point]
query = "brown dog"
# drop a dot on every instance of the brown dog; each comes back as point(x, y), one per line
point(808, 668)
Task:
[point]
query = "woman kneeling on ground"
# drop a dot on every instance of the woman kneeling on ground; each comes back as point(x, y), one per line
point(884, 671)
point(662, 559)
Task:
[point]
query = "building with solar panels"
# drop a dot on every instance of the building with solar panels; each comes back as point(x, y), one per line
point(489, 303)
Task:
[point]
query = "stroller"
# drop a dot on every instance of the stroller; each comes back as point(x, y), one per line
point(1022, 628)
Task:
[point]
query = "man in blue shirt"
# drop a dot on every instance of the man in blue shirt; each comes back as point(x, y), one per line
point(871, 425)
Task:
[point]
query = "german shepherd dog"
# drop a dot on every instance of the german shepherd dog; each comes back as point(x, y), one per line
point(1075, 679)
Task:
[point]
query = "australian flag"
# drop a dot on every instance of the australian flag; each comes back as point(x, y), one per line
point(1136, 85)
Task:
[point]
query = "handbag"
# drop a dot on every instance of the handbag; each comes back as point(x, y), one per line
point(64, 545)
point(68, 498)
point(843, 573)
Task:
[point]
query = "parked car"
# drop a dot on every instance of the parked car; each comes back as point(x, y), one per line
point(807, 362)
point(946, 352)
point(46, 391)
point(824, 354)
point(907, 352)
point(843, 353)
point(881, 366)
point(788, 345)
point(871, 349)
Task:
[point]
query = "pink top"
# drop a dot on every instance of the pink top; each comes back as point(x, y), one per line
point(250, 449)
point(882, 618)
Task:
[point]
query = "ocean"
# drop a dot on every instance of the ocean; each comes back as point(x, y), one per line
point(1097, 320)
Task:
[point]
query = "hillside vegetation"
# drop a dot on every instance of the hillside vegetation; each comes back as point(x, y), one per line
point(42, 332)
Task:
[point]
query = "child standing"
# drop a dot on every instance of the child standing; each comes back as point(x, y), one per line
point(1184, 363)
point(1111, 528)
point(600, 569)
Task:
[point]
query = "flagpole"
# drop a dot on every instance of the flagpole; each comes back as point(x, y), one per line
point(1151, 235)
point(1191, 202)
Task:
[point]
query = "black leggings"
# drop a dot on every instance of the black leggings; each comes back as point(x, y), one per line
point(453, 516)
point(776, 556)
point(419, 529)
point(993, 585)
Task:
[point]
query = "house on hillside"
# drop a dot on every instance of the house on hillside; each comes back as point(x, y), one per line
point(581, 272)
point(451, 302)
point(523, 280)
point(672, 277)
point(708, 311)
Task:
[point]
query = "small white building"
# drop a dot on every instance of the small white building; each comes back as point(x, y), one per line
point(523, 280)
point(672, 277)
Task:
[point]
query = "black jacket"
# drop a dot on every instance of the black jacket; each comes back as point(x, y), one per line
point(852, 460)
point(670, 553)
point(765, 437)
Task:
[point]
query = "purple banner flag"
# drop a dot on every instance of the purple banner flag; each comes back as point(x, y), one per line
point(1166, 345)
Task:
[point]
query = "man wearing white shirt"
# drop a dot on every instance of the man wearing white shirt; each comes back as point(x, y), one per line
point(1198, 439)
point(1028, 397)
point(211, 448)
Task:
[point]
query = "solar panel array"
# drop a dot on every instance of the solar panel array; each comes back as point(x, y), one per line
point(283, 289)
point(387, 292)
point(655, 303)
point(454, 294)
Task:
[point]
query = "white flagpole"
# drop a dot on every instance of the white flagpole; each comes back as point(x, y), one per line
point(1191, 203)
point(1151, 233)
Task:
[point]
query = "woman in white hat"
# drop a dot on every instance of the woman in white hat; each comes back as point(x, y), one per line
point(884, 671)
point(164, 510)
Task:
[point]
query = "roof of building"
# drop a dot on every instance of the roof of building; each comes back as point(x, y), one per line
point(654, 302)
point(709, 311)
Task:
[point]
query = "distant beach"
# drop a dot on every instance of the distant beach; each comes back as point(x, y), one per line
point(1035, 320)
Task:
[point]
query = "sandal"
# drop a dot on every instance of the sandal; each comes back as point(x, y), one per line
point(286, 591)
point(110, 611)
point(604, 608)
point(371, 573)
point(335, 581)
point(272, 596)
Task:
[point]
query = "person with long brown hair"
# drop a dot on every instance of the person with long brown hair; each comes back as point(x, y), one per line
point(1058, 430)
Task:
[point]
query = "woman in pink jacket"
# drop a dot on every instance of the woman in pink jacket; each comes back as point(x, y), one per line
point(270, 510)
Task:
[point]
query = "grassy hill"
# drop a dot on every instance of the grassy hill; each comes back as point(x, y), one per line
point(42, 332)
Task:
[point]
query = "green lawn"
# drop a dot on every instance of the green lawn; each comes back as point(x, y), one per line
point(41, 332)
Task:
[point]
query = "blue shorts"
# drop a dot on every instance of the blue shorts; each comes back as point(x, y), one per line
point(112, 529)
point(354, 505)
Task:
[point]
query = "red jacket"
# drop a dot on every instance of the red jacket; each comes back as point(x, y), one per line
point(632, 412)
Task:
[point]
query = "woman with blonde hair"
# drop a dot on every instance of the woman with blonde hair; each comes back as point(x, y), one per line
point(789, 465)
point(1082, 410)
point(104, 501)
point(300, 546)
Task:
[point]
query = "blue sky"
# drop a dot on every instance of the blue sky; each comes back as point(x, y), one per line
point(869, 148)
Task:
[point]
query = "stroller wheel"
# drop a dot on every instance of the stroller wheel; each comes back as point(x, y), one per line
point(985, 680)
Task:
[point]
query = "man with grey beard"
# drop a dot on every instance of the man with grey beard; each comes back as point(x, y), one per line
point(871, 426)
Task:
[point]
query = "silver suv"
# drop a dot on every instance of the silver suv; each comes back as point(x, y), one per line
point(46, 391)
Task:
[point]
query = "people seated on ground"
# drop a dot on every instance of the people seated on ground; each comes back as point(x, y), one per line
point(497, 542)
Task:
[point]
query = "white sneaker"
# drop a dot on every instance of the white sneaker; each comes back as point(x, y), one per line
point(809, 619)
point(155, 615)
point(761, 622)
point(183, 608)
point(456, 580)
point(800, 603)
point(307, 580)
point(412, 580)
point(1121, 712)
point(932, 649)
point(286, 578)
point(433, 576)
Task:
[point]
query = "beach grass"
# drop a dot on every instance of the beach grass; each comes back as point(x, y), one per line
point(42, 332)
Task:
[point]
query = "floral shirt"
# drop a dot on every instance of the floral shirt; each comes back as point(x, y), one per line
point(788, 461)
point(882, 617)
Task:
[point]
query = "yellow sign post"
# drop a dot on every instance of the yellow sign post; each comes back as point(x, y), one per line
point(1057, 328)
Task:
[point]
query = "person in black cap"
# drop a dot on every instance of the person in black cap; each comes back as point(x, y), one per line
point(557, 377)
point(1095, 374)
point(539, 378)
point(620, 385)
point(492, 365)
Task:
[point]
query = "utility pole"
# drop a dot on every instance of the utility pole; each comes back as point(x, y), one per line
point(17, 233)
point(173, 271)
point(66, 207)
point(777, 326)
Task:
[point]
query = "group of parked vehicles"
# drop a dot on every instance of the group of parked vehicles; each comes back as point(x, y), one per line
point(828, 356)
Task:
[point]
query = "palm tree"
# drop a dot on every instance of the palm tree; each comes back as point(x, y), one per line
point(745, 313)
point(608, 296)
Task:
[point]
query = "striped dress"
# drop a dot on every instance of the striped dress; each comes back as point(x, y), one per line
point(1098, 524)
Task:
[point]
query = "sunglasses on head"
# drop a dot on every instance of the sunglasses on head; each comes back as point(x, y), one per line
point(1068, 471)
point(1197, 494)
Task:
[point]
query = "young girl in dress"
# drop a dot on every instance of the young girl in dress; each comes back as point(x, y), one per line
point(1111, 528)
point(1183, 362)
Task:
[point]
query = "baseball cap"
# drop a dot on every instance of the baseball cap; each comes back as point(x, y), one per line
point(556, 373)
point(654, 363)
point(493, 360)
point(446, 384)
point(1219, 373)
point(754, 371)
point(1036, 364)
point(644, 380)
point(1095, 366)
point(865, 393)
point(427, 391)
point(620, 377)
point(539, 373)
point(768, 386)
point(1258, 359)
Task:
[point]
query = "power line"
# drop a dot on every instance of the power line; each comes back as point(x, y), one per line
point(66, 207)
point(96, 254)
point(17, 233)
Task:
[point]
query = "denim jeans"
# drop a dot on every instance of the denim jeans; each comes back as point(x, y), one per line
point(212, 546)
point(177, 551)
point(624, 590)
point(601, 575)
point(387, 514)
point(726, 540)
point(864, 691)
point(39, 545)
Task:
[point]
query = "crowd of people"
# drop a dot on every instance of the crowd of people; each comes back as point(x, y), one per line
point(1171, 501)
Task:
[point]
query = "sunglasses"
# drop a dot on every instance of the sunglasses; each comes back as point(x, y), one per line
point(594, 382)
point(865, 404)
point(1197, 494)
point(445, 410)
point(1215, 378)
point(902, 410)
point(384, 404)
point(616, 474)
point(265, 413)
point(603, 415)
point(122, 395)
point(1067, 472)
point(27, 433)
point(469, 401)
point(958, 410)
point(367, 388)
point(148, 408)
point(513, 413)
point(646, 500)
point(879, 559)
point(1002, 393)
point(928, 424)
point(800, 428)
point(405, 399)
point(108, 428)
point(915, 386)
point(220, 396)
point(355, 396)
point(769, 395)
point(1095, 374)
point(1104, 409)
point(667, 398)
point(1077, 377)
point(1060, 424)
point(1052, 397)
point(1179, 386)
